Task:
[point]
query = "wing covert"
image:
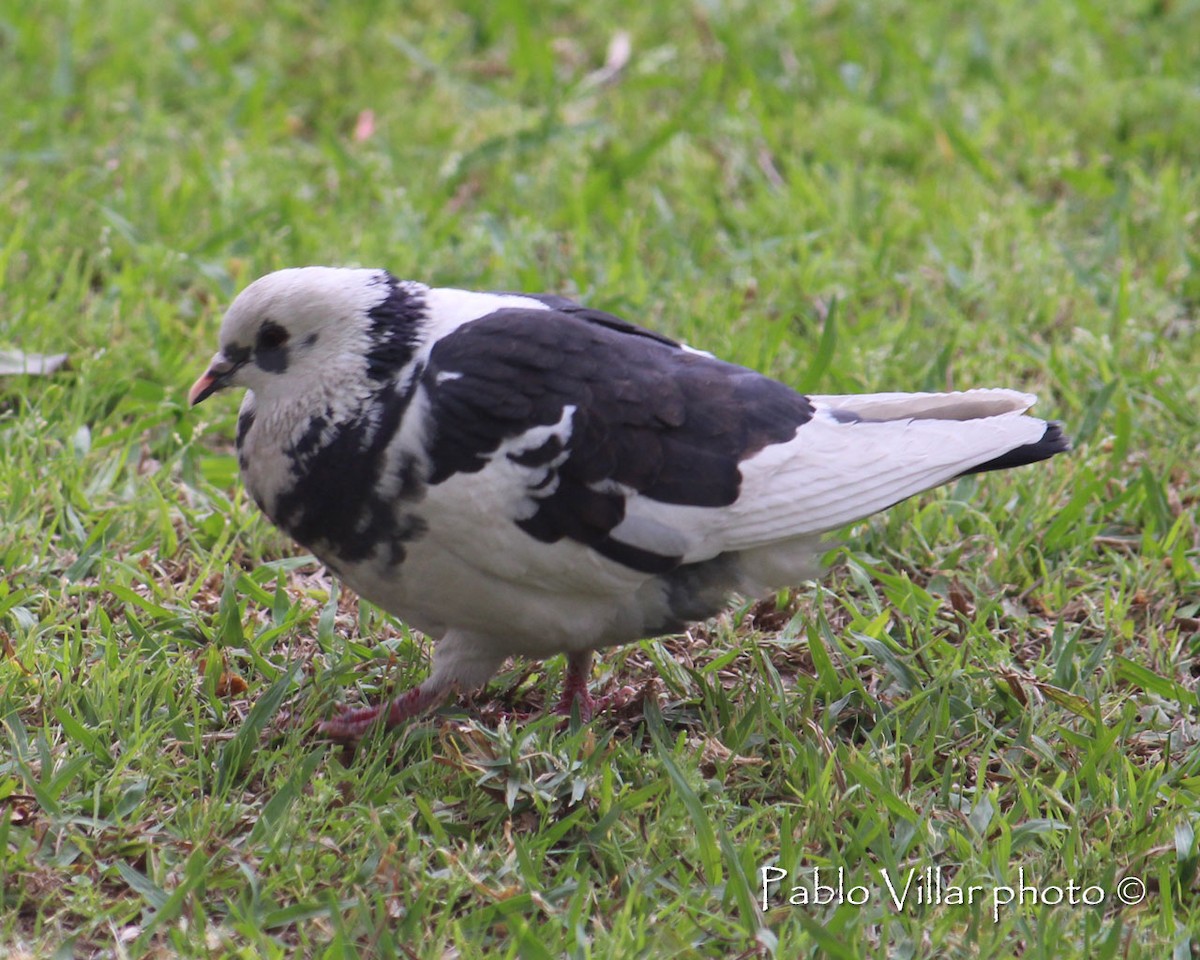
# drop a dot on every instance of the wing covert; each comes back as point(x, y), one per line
point(634, 415)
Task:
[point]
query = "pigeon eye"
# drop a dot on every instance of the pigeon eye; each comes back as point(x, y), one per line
point(271, 336)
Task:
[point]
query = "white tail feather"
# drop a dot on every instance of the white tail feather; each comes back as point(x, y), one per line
point(963, 405)
point(858, 455)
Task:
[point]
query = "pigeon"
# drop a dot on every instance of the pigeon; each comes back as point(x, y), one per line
point(519, 474)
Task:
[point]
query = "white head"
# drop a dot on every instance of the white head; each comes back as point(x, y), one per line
point(296, 329)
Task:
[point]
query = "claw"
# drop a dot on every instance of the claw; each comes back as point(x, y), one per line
point(351, 724)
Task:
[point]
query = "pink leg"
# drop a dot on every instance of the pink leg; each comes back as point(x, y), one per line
point(352, 723)
point(575, 687)
point(461, 661)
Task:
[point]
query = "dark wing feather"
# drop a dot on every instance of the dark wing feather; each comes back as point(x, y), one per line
point(651, 419)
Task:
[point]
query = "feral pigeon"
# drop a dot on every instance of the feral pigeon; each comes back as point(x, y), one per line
point(518, 474)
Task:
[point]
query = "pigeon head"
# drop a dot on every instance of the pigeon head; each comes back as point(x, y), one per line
point(293, 330)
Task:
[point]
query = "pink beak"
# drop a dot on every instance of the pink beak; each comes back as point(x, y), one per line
point(212, 380)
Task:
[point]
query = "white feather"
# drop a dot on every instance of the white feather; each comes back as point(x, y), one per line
point(450, 308)
point(834, 473)
point(961, 405)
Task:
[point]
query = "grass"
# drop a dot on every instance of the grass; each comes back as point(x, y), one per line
point(996, 682)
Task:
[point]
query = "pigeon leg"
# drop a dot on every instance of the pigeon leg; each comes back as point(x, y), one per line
point(461, 662)
point(352, 723)
point(575, 687)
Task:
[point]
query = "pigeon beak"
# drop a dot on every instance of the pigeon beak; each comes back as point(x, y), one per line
point(213, 379)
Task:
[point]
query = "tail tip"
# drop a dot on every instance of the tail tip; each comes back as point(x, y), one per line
point(1053, 442)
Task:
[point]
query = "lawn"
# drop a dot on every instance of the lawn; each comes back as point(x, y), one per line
point(987, 705)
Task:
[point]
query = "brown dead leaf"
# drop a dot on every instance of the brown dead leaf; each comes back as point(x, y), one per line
point(960, 599)
point(714, 754)
point(22, 809)
point(230, 685)
point(8, 650)
point(1014, 685)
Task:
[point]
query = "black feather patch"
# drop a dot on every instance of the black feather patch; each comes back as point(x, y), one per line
point(393, 329)
point(310, 439)
point(244, 423)
point(648, 416)
point(337, 511)
point(270, 347)
point(591, 315)
point(236, 355)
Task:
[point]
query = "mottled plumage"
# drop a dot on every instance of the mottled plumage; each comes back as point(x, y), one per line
point(520, 474)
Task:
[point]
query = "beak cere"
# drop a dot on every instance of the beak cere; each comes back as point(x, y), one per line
point(211, 380)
